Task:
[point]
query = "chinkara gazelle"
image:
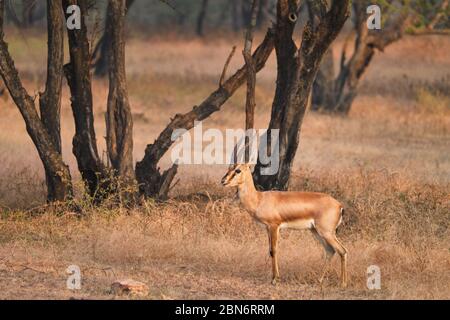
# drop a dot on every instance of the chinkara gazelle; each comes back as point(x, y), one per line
point(318, 212)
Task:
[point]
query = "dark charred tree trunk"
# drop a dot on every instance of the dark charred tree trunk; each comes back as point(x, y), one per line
point(119, 123)
point(297, 69)
point(101, 51)
point(78, 76)
point(201, 18)
point(151, 182)
point(43, 132)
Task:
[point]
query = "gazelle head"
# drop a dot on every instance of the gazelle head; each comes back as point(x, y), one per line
point(236, 175)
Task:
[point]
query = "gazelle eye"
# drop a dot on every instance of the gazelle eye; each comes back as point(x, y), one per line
point(238, 171)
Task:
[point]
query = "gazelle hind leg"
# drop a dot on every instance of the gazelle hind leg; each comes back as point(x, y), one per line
point(331, 239)
point(344, 273)
point(329, 253)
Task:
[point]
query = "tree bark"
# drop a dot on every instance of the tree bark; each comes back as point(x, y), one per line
point(50, 99)
point(119, 123)
point(297, 69)
point(149, 178)
point(44, 133)
point(201, 18)
point(101, 51)
point(78, 76)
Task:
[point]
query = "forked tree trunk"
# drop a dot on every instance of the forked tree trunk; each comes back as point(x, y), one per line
point(78, 76)
point(119, 123)
point(297, 69)
point(43, 132)
point(336, 94)
point(151, 182)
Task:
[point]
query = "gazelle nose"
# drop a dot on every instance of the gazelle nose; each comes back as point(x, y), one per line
point(223, 181)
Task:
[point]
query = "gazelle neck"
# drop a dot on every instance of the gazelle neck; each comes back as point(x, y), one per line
point(248, 195)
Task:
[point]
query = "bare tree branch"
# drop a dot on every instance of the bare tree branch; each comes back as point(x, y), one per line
point(147, 171)
point(225, 67)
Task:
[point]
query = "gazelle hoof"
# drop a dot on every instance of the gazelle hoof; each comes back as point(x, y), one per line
point(274, 281)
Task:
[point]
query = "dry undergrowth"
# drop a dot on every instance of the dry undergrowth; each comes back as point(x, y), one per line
point(401, 227)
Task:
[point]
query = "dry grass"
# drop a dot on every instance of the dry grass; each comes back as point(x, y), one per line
point(388, 162)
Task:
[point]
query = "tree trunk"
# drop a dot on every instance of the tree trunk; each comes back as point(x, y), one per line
point(44, 133)
point(119, 123)
point(201, 18)
point(101, 55)
point(337, 95)
point(297, 69)
point(50, 99)
point(78, 76)
point(154, 184)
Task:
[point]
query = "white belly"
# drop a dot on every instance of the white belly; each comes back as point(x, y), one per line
point(298, 224)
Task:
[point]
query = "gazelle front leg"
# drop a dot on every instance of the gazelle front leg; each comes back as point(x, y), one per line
point(273, 231)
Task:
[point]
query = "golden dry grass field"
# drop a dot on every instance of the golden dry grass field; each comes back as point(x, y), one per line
point(388, 162)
